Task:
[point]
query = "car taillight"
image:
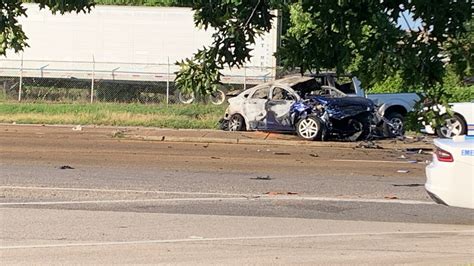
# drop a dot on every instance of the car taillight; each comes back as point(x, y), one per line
point(444, 156)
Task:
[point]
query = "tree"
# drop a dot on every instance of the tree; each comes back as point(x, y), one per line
point(361, 35)
point(236, 24)
point(11, 33)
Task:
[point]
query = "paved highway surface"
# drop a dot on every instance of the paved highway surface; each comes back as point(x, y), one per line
point(126, 201)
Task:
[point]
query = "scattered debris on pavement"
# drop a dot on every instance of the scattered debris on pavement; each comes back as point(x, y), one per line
point(64, 167)
point(418, 150)
point(118, 133)
point(314, 155)
point(215, 158)
point(282, 153)
point(261, 178)
point(391, 197)
point(77, 128)
point(403, 171)
point(408, 185)
point(274, 193)
point(368, 145)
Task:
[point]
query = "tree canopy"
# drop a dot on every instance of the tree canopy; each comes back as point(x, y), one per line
point(11, 33)
point(346, 35)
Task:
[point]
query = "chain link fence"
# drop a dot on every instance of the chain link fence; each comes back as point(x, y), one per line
point(88, 82)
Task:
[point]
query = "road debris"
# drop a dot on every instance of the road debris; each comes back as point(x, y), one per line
point(282, 153)
point(408, 185)
point(402, 157)
point(77, 128)
point(274, 193)
point(391, 197)
point(403, 171)
point(412, 161)
point(314, 155)
point(261, 178)
point(64, 167)
point(118, 133)
point(206, 146)
point(418, 150)
point(215, 158)
point(368, 145)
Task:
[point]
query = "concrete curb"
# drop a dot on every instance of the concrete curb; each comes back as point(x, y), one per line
point(200, 136)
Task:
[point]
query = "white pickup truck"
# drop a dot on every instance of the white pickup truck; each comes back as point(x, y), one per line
point(392, 106)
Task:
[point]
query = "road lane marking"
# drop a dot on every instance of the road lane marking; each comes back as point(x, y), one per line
point(309, 198)
point(249, 198)
point(113, 201)
point(372, 161)
point(231, 196)
point(123, 190)
point(214, 239)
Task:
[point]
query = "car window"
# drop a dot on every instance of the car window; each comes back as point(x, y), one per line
point(282, 94)
point(261, 93)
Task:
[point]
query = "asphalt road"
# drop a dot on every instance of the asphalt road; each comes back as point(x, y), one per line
point(129, 201)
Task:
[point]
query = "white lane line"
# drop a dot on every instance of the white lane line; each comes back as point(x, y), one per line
point(162, 241)
point(371, 161)
point(416, 202)
point(114, 201)
point(249, 198)
point(122, 190)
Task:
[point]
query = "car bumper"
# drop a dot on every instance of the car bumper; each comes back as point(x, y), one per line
point(442, 187)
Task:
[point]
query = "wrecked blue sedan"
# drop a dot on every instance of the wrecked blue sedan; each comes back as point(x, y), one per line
point(299, 104)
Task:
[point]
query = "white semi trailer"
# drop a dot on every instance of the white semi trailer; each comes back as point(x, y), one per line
point(123, 43)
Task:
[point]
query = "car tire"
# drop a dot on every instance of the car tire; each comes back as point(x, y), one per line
point(236, 123)
point(397, 120)
point(362, 125)
point(186, 98)
point(452, 126)
point(310, 128)
point(217, 97)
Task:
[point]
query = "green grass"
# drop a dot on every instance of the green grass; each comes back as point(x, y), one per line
point(196, 116)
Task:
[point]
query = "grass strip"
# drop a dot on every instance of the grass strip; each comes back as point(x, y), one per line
point(194, 116)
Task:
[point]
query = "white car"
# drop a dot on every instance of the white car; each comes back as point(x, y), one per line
point(450, 176)
point(460, 123)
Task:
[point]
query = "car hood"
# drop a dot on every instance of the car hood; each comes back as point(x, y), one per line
point(343, 102)
point(340, 108)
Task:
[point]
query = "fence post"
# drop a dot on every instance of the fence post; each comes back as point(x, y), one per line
point(93, 78)
point(20, 87)
point(168, 83)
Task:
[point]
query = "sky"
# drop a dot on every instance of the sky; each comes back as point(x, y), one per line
point(413, 24)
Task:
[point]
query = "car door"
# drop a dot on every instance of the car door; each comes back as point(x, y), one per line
point(254, 108)
point(278, 109)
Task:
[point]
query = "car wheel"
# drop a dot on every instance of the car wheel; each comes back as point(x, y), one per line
point(186, 98)
point(452, 126)
point(361, 128)
point(236, 123)
point(217, 97)
point(396, 126)
point(310, 128)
